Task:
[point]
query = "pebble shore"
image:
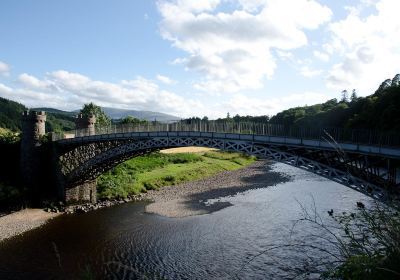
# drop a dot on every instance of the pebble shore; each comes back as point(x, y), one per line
point(22, 221)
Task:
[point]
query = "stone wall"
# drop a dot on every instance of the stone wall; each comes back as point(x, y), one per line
point(82, 193)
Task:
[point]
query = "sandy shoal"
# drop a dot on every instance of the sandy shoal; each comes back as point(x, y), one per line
point(22, 221)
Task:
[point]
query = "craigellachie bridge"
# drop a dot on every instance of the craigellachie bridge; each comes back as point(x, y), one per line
point(365, 161)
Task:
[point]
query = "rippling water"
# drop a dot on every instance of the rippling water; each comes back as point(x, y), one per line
point(245, 241)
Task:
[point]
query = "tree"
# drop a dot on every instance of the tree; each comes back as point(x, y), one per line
point(345, 96)
point(92, 109)
point(396, 80)
point(236, 118)
point(132, 120)
point(353, 97)
point(386, 84)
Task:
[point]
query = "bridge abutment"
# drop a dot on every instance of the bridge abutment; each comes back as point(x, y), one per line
point(86, 192)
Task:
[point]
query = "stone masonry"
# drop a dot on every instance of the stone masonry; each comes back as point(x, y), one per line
point(85, 126)
point(85, 192)
point(31, 167)
point(33, 128)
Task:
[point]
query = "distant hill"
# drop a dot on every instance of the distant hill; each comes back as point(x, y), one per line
point(55, 111)
point(142, 115)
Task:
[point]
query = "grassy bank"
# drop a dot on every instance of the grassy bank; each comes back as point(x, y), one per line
point(158, 169)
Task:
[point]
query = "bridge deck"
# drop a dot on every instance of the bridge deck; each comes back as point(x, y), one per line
point(391, 152)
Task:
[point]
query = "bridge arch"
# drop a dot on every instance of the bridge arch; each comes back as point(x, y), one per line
point(82, 159)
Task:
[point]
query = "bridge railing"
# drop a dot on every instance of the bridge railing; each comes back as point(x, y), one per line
point(355, 136)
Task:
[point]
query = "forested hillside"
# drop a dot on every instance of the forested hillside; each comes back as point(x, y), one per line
point(378, 111)
point(10, 114)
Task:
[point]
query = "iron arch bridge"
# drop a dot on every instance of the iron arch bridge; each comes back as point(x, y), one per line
point(368, 167)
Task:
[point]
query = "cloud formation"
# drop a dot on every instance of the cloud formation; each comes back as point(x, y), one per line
point(166, 80)
point(368, 46)
point(66, 90)
point(232, 50)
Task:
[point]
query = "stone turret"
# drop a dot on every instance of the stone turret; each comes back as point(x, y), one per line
point(33, 128)
point(85, 125)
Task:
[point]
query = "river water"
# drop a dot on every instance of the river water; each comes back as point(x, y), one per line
point(252, 239)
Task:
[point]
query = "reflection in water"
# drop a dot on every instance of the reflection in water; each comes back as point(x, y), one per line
point(123, 242)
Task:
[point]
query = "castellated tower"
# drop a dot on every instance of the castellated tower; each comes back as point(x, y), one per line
point(33, 127)
point(85, 125)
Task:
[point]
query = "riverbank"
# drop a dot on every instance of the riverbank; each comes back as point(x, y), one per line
point(192, 198)
point(22, 221)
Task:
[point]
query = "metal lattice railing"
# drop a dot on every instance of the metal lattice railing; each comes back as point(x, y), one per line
point(342, 135)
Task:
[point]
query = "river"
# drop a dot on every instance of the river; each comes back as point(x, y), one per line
point(248, 240)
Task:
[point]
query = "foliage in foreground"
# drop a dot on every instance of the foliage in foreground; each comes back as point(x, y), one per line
point(371, 244)
point(363, 244)
point(156, 170)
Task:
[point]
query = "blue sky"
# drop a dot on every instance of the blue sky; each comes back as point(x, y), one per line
point(195, 57)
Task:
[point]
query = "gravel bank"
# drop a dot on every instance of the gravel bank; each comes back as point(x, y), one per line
point(22, 221)
point(189, 199)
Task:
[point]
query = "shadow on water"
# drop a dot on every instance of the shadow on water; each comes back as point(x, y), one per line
point(264, 177)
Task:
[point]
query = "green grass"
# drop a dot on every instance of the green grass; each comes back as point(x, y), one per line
point(155, 170)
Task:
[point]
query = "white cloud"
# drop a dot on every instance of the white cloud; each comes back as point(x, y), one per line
point(5, 90)
point(4, 69)
point(307, 72)
point(66, 90)
point(197, 6)
point(321, 56)
point(244, 105)
point(33, 82)
point(369, 47)
point(166, 80)
point(233, 50)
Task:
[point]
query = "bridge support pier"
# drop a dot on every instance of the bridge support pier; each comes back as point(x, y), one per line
point(86, 192)
point(31, 155)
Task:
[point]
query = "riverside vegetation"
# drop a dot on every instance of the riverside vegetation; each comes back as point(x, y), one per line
point(155, 170)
